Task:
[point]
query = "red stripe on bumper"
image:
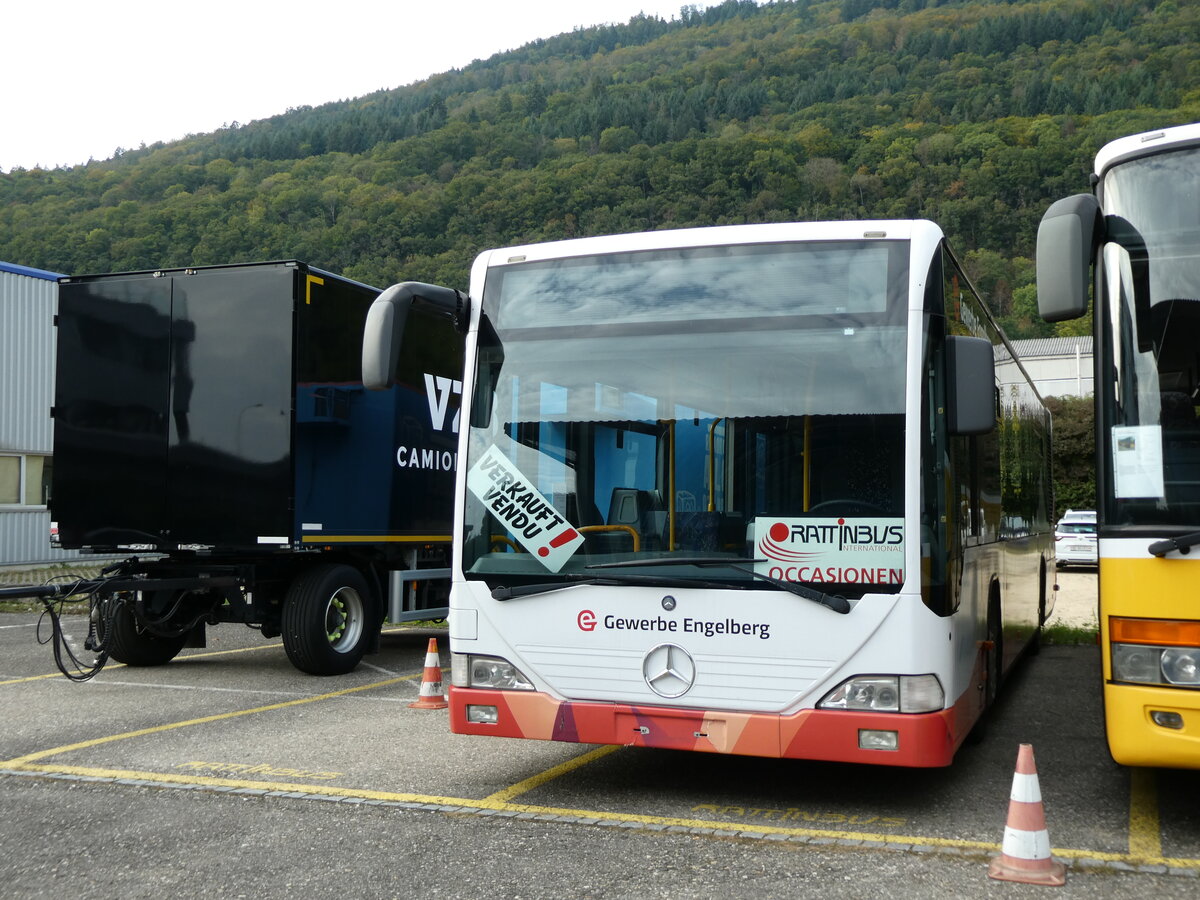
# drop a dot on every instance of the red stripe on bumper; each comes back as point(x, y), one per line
point(924, 740)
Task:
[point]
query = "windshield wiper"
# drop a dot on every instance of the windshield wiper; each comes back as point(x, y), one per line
point(545, 587)
point(835, 602)
point(1181, 543)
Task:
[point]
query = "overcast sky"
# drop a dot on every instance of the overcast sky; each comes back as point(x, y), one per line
point(80, 78)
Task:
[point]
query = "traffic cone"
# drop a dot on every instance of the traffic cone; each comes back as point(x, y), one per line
point(1025, 854)
point(431, 681)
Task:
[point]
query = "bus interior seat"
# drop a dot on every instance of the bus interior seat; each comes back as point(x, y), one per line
point(639, 509)
point(1178, 411)
point(1181, 448)
point(699, 530)
point(629, 506)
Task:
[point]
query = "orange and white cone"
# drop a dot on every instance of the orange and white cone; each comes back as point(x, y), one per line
point(1025, 854)
point(431, 681)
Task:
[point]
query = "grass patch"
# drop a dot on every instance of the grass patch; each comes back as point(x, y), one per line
point(59, 574)
point(419, 623)
point(33, 605)
point(20, 606)
point(1070, 635)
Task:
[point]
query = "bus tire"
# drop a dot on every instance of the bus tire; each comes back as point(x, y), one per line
point(993, 665)
point(326, 616)
point(995, 656)
point(131, 644)
point(1035, 642)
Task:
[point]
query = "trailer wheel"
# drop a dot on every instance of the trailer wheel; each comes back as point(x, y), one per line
point(133, 645)
point(325, 620)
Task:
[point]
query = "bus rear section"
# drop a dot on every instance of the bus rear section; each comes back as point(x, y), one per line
point(738, 490)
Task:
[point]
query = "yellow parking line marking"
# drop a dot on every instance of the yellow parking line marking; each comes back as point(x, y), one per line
point(50, 675)
point(468, 804)
point(273, 646)
point(22, 761)
point(1145, 836)
point(201, 688)
point(522, 787)
point(116, 665)
point(212, 781)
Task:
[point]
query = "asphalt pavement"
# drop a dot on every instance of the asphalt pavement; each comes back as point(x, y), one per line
point(228, 773)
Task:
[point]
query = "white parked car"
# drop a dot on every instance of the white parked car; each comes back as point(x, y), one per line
point(1075, 538)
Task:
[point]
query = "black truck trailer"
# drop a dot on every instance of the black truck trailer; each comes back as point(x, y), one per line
point(212, 423)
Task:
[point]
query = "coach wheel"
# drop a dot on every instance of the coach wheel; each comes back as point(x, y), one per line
point(325, 620)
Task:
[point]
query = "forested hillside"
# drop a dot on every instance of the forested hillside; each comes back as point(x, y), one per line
point(974, 113)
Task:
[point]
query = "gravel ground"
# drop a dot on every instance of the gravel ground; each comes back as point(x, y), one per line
point(1075, 604)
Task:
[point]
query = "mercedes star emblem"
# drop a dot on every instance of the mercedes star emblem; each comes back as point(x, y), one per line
point(669, 670)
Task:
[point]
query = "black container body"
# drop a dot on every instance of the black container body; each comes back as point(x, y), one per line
point(223, 408)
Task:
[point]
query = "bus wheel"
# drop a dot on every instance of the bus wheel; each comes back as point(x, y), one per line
point(130, 643)
point(995, 656)
point(992, 667)
point(1035, 642)
point(325, 619)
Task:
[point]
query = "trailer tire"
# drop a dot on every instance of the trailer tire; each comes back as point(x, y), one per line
point(326, 620)
point(133, 645)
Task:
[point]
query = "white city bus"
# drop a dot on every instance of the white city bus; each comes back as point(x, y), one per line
point(778, 490)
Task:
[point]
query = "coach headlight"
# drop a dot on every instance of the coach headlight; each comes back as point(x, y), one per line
point(1181, 665)
point(1137, 663)
point(1155, 651)
point(494, 672)
point(887, 693)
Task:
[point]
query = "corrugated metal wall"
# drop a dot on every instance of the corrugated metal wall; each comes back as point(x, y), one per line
point(27, 307)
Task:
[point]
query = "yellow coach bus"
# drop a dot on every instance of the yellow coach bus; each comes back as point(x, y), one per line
point(1136, 242)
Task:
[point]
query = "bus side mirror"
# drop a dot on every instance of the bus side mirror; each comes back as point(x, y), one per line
point(971, 404)
point(383, 333)
point(1065, 239)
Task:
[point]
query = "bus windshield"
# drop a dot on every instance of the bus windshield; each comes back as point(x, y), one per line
point(665, 404)
point(1151, 398)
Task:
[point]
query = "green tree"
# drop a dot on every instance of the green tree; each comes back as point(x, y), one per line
point(1074, 452)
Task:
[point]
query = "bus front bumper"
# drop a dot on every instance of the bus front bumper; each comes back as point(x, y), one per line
point(1136, 737)
point(890, 739)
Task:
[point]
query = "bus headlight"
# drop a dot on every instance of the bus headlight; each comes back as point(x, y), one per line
point(1155, 651)
point(1156, 665)
point(1181, 665)
point(1137, 663)
point(887, 693)
point(470, 671)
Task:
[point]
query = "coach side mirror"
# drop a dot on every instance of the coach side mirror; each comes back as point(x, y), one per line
point(1065, 240)
point(971, 404)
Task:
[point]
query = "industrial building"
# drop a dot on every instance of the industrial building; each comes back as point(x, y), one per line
point(28, 301)
point(1060, 367)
